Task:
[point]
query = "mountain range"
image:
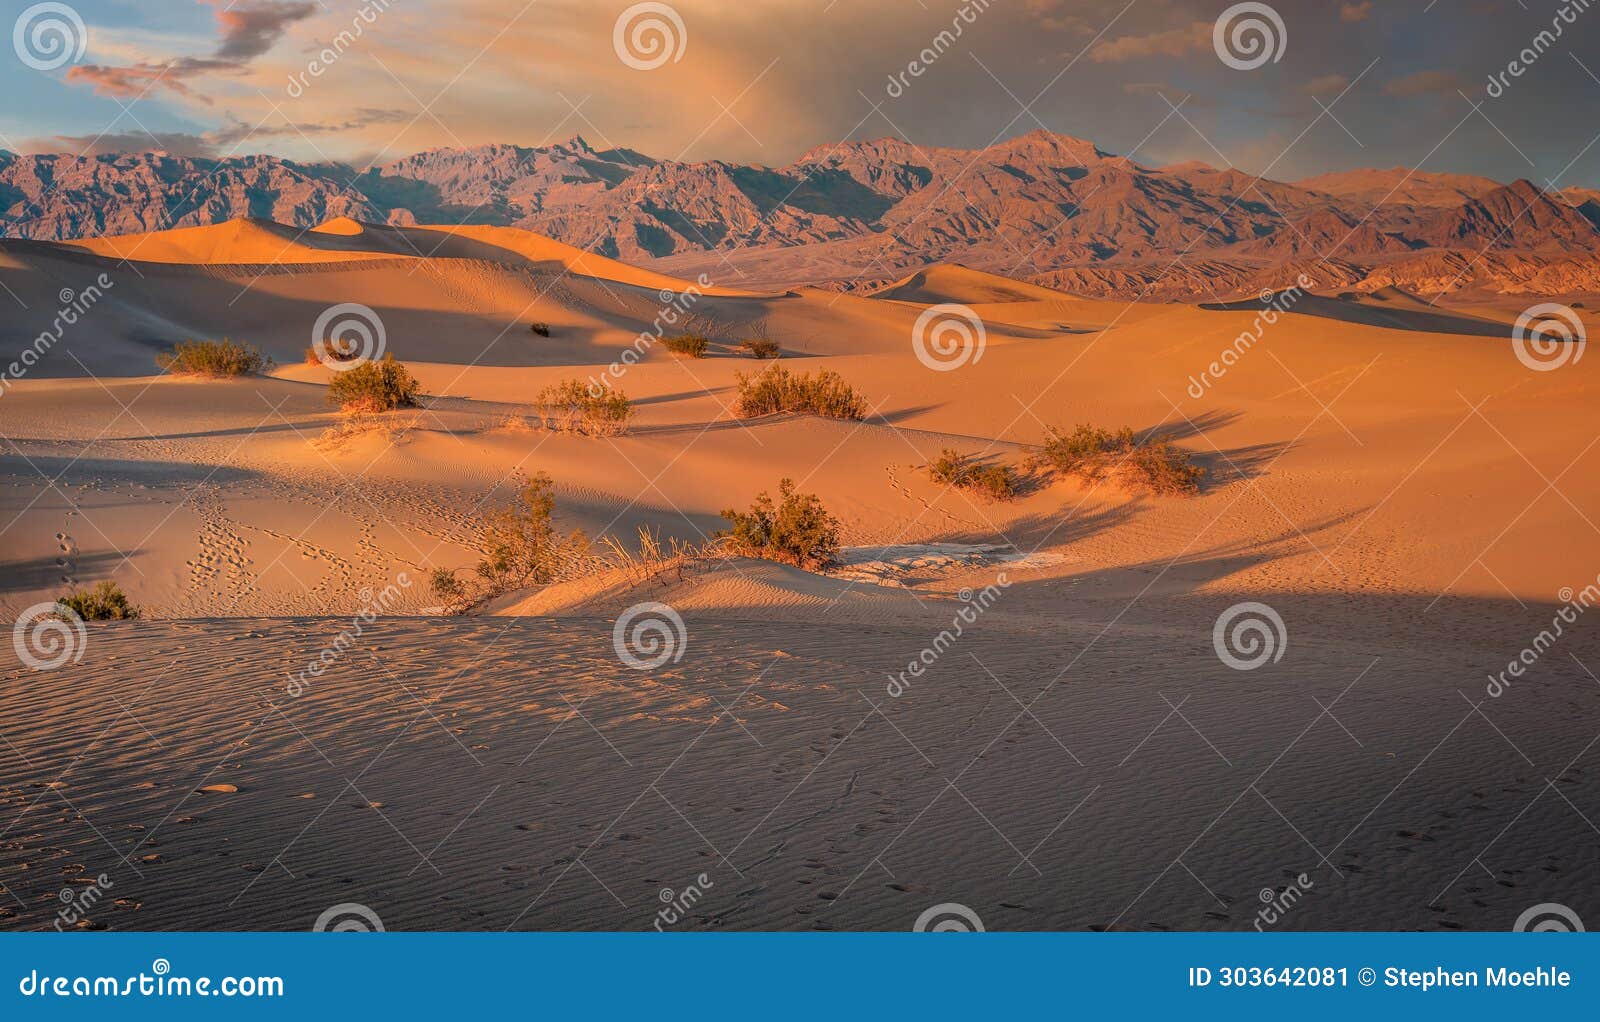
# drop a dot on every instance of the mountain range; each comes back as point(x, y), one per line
point(1043, 207)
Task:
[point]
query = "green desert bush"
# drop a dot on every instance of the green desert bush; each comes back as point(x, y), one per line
point(371, 387)
point(577, 407)
point(760, 348)
point(797, 529)
point(1091, 454)
point(778, 390)
point(521, 548)
point(213, 358)
point(993, 480)
point(687, 345)
point(105, 602)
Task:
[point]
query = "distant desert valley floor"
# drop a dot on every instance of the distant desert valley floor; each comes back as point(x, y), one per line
point(1413, 501)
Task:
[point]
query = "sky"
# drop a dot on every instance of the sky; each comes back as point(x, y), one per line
point(1367, 83)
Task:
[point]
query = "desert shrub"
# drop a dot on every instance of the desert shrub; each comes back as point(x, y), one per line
point(687, 345)
point(760, 348)
point(372, 387)
point(213, 358)
point(1091, 454)
point(105, 602)
point(542, 329)
point(797, 529)
point(1165, 469)
point(520, 548)
point(447, 587)
point(335, 349)
point(778, 390)
point(992, 480)
point(759, 342)
point(578, 407)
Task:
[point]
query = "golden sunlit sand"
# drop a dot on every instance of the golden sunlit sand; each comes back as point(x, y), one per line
point(1380, 468)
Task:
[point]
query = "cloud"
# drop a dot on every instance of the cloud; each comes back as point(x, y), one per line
point(1172, 43)
point(176, 143)
point(137, 79)
point(1327, 85)
point(237, 132)
point(1355, 12)
point(246, 29)
point(252, 28)
point(212, 144)
point(1053, 16)
point(1424, 83)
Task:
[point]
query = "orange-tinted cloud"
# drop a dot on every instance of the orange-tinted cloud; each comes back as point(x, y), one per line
point(247, 29)
point(1172, 43)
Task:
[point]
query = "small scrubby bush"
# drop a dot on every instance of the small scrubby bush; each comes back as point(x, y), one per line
point(992, 480)
point(758, 348)
point(1091, 454)
point(797, 529)
point(335, 349)
point(687, 345)
point(105, 602)
point(759, 343)
point(778, 390)
point(379, 386)
point(213, 358)
point(578, 407)
point(520, 548)
point(542, 329)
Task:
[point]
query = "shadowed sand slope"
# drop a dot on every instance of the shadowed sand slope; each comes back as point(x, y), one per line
point(492, 775)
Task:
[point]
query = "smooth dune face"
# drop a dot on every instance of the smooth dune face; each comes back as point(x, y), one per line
point(1408, 494)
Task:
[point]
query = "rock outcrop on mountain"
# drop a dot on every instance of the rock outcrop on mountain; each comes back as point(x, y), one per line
point(1050, 208)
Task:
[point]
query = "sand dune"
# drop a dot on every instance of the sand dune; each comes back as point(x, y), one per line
point(950, 282)
point(1384, 472)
